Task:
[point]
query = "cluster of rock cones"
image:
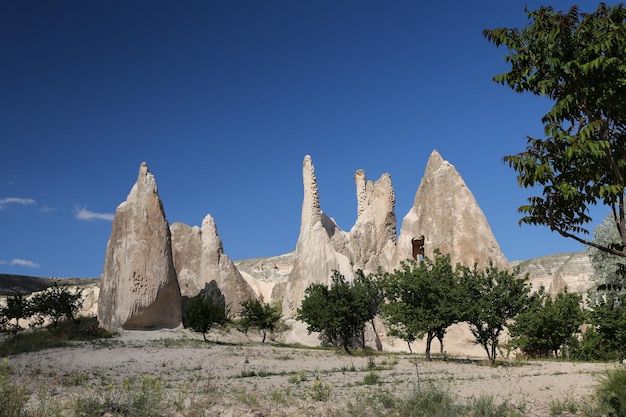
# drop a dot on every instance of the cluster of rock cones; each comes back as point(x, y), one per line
point(150, 265)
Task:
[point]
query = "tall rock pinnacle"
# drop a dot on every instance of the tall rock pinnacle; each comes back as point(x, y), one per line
point(316, 256)
point(373, 237)
point(199, 260)
point(447, 215)
point(139, 289)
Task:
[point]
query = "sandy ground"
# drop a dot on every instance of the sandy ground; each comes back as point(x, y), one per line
point(241, 377)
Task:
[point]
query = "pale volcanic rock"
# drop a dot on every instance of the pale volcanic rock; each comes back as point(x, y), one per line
point(446, 213)
point(199, 259)
point(267, 276)
point(555, 272)
point(139, 289)
point(315, 257)
point(373, 236)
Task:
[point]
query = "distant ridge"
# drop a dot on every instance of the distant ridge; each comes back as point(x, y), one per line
point(24, 284)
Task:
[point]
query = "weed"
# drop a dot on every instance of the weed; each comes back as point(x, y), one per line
point(484, 406)
point(141, 398)
point(320, 391)
point(13, 397)
point(282, 397)
point(558, 406)
point(298, 377)
point(371, 378)
point(611, 394)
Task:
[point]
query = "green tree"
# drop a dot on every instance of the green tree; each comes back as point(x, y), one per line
point(493, 298)
point(204, 310)
point(335, 311)
point(608, 317)
point(17, 308)
point(260, 315)
point(576, 60)
point(368, 298)
point(55, 303)
point(422, 299)
point(548, 323)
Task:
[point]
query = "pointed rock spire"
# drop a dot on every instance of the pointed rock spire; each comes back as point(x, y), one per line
point(373, 237)
point(139, 289)
point(447, 215)
point(316, 256)
point(200, 260)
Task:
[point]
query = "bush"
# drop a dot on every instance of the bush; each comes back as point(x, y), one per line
point(55, 303)
point(591, 347)
point(432, 402)
point(611, 394)
point(13, 397)
point(136, 399)
point(201, 312)
point(263, 316)
point(83, 328)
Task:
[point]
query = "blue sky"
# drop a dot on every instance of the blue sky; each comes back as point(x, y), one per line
point(224, 99)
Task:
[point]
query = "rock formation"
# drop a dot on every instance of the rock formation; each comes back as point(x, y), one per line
point(446, 213)
point(316, 256)
point(555, 272)
point(267, 276)
point(199, 259)
point(139, 289)
point(373, 236)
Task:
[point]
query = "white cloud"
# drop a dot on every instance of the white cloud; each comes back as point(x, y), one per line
point(14, 200)
point(84, 214)
point(47, 209)
point(24, 262)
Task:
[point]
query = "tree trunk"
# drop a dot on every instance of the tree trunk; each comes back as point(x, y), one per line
point(409, 344)
point(494, 345)
point(264, 333)
point(379, 344)
point(429, 339)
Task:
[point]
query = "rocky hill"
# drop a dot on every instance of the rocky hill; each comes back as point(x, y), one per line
point(555, 272)
point(23, 284)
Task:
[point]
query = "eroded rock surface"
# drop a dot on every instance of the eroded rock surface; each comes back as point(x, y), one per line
point(446, 213)
point(555, 272)
point(315, 256)
point(373, 236)
point(139, 289)
point(199, 259)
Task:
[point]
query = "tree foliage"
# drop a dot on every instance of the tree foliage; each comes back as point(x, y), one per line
point(17, 308)
point(260, 315)
point(608, 318)
point(548, 324)
point(422, 299)
point(493, 298)
point(55, 303)
point(204, 310)
point(577, 60)
point(339, 311)
point(606, 301)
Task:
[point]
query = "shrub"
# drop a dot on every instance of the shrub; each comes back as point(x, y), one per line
point(201, 312)
point(432, 402)
point(611, 394)
point(13, 397)
point(55, 303)
point(263, 316)
point(136, 399)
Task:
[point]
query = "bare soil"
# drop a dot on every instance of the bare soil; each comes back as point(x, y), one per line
point(241, 377)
